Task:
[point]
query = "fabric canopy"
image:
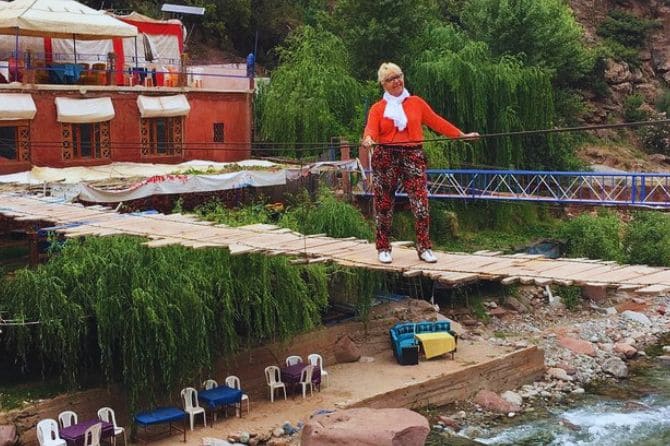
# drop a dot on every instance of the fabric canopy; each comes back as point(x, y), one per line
point(15, 106)
point(163, 106)
point(80, 111)
point(60, 18)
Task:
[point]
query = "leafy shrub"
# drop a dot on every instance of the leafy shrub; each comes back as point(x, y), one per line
point(647, 240)
point(594, 237)
point(626, 29)
point(328, 215)
point(571, 296)
point(656, 138)
point(632, 110)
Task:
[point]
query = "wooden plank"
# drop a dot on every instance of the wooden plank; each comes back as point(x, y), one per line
point(660, 276)
point(653, 289)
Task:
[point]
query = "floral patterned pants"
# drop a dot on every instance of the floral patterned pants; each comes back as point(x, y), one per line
point(391, 164)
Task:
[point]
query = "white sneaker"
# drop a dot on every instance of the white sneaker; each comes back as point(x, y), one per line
point(428, 256)
point(385, 257)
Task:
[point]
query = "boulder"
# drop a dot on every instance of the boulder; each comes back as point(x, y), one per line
point(491, 401)
point(634, 316)
point(366, 427)
point(8, 435)
point(577, 345)
point(558, 373)
point(624, 349)
point(512, 398)
point(615, 367)
point(346, 350)
point(617, 72)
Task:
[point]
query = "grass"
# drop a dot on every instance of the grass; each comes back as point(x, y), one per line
point(14, 396)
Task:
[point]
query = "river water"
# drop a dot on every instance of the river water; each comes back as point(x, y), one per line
point(634, 412)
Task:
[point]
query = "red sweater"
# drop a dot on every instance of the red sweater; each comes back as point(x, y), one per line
point(383, 131)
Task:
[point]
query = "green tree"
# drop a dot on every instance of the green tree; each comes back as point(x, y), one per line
point(543, 33)
point(377, 31)
point(311, 96)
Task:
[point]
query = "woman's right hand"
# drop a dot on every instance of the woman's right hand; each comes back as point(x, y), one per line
point(368, 142)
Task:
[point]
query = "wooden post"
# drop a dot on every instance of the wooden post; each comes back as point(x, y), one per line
point(345, 155)
point(28, 73)
point(34, 254)
point(182, 82)
point(111, 68)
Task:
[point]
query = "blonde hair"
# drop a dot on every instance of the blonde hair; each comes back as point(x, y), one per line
point(387, 68)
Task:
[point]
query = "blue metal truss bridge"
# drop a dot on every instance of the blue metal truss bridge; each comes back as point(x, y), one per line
point(589, 188)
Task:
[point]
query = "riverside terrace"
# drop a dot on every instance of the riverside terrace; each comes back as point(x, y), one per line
point(435, 382)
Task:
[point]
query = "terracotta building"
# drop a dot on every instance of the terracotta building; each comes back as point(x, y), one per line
point(93, 103)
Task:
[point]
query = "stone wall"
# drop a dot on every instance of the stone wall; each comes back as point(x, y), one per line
point(503, 373)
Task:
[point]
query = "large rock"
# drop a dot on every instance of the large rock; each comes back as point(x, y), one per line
point(617, 72)
point(366, 427)
point(346, 350)
point(635, 316)
point(615, 367)
point(8, 435)
point(577, 345)
point(491, 401)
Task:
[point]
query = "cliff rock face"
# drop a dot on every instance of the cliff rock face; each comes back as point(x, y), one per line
point(654, 73)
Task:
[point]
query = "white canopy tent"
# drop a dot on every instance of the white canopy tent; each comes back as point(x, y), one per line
point(60, 18)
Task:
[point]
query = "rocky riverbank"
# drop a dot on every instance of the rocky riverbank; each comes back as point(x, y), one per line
point(592, 343)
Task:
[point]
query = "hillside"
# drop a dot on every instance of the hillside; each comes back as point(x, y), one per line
point(624, 150)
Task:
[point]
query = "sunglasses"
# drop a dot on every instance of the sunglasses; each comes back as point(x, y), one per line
point(393, 78)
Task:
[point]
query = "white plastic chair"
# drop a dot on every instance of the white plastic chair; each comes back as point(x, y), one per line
point(107, 415)
point(47, 433)
point(192, 405)
point(293, 360)
point(306, 379)
point(234, 383)
point(67, 418)
point(210, 384)
point(273, 378)
point(92, 435)
point(316, 360)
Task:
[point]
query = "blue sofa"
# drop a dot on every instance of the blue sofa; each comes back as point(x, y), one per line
point(404, 344)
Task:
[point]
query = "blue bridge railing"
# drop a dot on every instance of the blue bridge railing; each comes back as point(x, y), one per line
point(593, 188)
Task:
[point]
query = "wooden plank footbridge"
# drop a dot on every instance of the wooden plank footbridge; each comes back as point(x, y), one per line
point(74, 220)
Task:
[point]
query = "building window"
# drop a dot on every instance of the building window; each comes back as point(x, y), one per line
point(162, 136)
point(218, 132)
point(86, 141)
point(15, 142)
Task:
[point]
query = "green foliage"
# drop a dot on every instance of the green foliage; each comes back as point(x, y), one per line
point(626, 29)
point(593, 236)
point(663, 102)
point(216, 211)
point(647, 239)
point(571, 296)
point(631, 108)
point(311, 96)
point(464, 83)
point(160, 315)
point(543, 33)
point(377, 31)
point(656, 138)
point(327, 215)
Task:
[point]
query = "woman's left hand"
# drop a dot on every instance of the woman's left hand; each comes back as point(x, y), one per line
point(473, 136)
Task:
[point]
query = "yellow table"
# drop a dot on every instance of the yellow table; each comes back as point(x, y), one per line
point(436, 344)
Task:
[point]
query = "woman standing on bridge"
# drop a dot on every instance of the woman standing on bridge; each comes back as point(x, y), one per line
point(395, 127)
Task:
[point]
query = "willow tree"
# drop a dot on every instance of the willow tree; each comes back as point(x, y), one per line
point(478, 92)
point(311, 96)
point(159, 316)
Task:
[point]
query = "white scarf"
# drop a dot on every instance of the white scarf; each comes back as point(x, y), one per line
point(394, 110)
